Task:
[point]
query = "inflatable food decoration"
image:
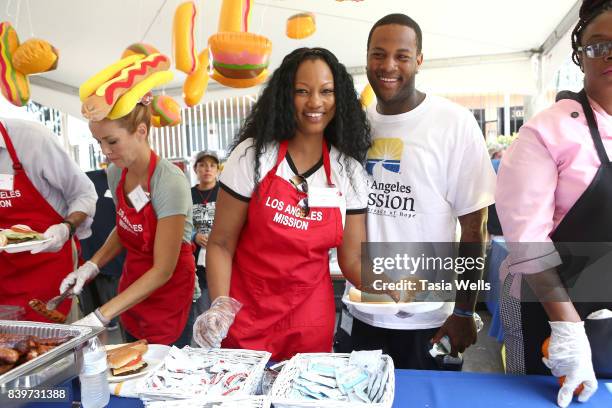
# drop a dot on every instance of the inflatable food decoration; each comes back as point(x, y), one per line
point(240, 58)
point(139, 48)
point(165, 111)
point(17, 61)
point(113, 92)
point(301, 26)
point(183, 38)
point(196, 83)
point(35, 56)
point(367, 96)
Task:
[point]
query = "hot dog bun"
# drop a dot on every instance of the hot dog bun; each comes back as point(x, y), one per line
point(127, 359)
point(355, 295)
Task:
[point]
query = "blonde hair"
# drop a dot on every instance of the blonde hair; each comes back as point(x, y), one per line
point(140, 114)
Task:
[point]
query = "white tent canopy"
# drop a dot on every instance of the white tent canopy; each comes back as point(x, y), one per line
point(469, 46)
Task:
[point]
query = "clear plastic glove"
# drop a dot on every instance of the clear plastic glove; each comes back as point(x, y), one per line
point(211, 327)
point(89, 320)
point(59, 234)
point(86, 272)
point(569, 356)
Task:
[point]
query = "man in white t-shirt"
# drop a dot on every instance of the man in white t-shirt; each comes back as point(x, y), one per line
point(429, 167)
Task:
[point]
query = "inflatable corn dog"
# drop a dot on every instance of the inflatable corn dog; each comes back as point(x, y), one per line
point(114, 91)
point(196, 83)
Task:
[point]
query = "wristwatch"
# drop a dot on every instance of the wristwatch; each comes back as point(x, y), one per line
point(71, 227)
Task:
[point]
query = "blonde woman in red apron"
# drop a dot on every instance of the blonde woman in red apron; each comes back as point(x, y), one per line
point(153, 226)
point(291, 190)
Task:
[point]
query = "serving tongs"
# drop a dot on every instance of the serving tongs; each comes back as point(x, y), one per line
point(53, 303)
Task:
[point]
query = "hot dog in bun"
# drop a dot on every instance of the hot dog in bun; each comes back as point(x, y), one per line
point(127, 359)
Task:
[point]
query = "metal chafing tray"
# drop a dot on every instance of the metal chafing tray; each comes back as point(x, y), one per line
point(54, 367)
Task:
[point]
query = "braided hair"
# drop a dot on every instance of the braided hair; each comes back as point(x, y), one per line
point(589, 10)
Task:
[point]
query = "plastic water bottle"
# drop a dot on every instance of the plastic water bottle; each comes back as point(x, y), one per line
point(94, 380)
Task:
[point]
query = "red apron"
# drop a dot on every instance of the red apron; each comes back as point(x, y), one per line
point(161, 317)
point(25, 276)
point(280, 272)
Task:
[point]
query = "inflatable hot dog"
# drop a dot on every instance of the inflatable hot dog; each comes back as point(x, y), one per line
point(114, 91)
point(14, 84)
point(185, 56)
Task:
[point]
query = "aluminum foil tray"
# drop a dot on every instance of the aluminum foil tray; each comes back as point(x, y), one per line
point(54, 367)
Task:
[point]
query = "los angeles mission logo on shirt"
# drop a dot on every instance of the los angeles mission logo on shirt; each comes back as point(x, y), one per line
point(288, 214)
point(390, 198)
point(125, 223)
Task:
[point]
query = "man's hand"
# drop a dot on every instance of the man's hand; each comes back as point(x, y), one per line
point(461, 331)
point(201, 239)
point(58, 234)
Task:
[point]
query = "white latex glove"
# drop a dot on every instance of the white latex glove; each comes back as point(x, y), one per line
point(211, 327)
point(86, 272)
point(569, 355)
point(59, 234)
point(89, 320)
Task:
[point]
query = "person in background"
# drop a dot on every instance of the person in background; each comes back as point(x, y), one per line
point(292, 188)
point(43, 188)
point(153, 226)
point(434, 154)
point(555, 186)
point(204, 198)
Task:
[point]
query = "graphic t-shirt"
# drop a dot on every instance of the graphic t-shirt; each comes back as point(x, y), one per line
point(204, 203)
point(427, 167)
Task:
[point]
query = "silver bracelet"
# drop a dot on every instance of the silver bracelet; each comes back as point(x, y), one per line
point(100, 317)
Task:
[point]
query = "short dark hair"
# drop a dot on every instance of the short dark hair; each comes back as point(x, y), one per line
point(589, 10)
point(400, 19)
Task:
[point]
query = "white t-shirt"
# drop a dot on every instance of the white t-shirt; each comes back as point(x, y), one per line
point(238, 176)
point(428, 167)
point(51, 170)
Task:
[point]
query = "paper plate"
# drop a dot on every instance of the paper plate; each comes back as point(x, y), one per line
point(23, 246)
point(154, 357)
point(393, 308)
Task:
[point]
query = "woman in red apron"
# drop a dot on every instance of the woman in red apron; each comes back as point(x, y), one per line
point(153, 226)
point(270, 255)
point(24, 275)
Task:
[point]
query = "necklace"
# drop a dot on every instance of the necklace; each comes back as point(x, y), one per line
point(205, 200)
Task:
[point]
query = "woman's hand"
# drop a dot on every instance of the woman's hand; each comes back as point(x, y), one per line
point(201, 239)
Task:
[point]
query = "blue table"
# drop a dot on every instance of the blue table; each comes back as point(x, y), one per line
point(435, 389)
point(498, 253)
